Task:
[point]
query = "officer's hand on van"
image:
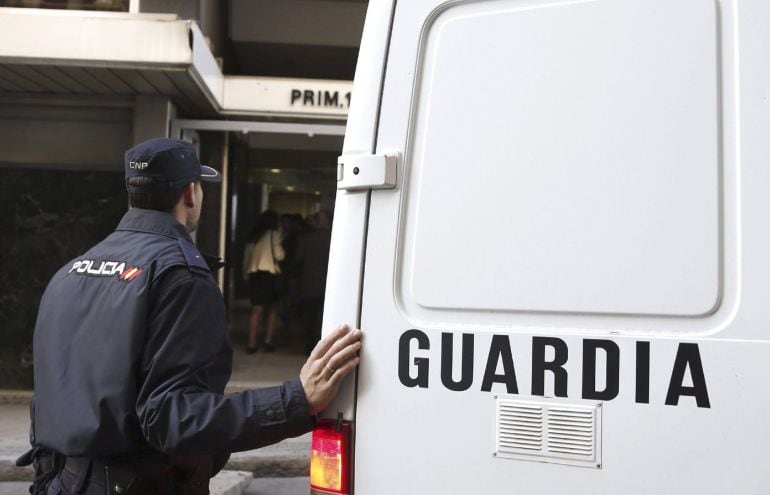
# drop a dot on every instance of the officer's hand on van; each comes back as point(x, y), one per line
point(331, 360)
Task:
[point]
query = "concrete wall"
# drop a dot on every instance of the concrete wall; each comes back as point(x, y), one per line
point(76, 133)
point(298, 22)
point(185, 9)
point(152, 117)
point(65, 134)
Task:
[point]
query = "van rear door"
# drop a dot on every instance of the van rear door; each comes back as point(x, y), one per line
point(566, 291)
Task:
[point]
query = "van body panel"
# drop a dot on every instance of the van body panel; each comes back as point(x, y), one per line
point(579, 220)
point(346, 258)
point(434, 440)
point(604, 153)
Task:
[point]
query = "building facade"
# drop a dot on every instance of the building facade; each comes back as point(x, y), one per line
point(262, 88)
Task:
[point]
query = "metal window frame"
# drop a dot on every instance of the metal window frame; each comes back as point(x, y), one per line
point(246, 126)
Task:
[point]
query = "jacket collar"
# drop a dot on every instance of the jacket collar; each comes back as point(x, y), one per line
point(153, 222)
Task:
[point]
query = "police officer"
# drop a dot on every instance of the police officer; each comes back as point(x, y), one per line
point(132, 353)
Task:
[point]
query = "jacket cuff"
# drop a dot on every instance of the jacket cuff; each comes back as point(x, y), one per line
point(284, 408)
point(297, 407)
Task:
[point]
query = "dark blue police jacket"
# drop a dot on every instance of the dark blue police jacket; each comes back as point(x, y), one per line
point(132, 354)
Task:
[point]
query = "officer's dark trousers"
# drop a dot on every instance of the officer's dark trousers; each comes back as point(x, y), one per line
point(79, 480)
point(70, 483)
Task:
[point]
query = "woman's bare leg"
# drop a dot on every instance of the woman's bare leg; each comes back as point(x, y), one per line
point(272, 318)
point(254, 320)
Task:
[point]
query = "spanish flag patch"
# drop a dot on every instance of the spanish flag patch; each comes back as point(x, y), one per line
point(130, 274)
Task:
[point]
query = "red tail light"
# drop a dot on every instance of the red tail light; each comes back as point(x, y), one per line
point(330, 457)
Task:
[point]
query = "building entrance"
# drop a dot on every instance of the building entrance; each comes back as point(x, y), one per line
point(289, 168)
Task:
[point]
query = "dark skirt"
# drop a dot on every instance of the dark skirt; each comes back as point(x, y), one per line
point(262, 288)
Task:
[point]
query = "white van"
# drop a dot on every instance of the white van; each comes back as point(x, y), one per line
point(553, 226)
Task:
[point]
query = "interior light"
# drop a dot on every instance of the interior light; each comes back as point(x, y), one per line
point(290, 188)
point(275, 170)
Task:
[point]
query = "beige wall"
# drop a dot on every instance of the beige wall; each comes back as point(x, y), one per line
point(299, 22)
point(78, 133)
point(65, 133)
point(152, 117)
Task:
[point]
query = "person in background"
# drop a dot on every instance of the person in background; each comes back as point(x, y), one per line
point(261, 267)
point(312, 258)
point(291, 225)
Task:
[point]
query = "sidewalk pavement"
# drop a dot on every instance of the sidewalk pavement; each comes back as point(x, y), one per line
point(226, 483)
point(289, 458)
point(276, 486)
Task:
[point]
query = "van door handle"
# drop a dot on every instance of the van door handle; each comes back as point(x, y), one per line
point(360, 172)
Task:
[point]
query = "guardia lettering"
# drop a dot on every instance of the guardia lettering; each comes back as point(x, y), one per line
point(549, 356)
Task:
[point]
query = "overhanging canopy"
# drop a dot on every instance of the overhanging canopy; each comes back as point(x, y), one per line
point(79, 52)
point(65, 52)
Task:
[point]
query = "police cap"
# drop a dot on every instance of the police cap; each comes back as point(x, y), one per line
point(170, 162)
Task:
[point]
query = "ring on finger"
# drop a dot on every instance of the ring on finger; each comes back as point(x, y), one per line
point(331, 370)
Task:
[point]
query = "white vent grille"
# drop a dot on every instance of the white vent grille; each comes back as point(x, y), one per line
point(549, 432)
point(520, 427)
point(571, 431)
